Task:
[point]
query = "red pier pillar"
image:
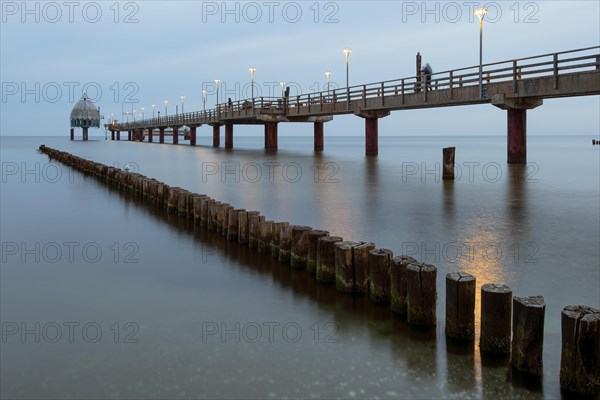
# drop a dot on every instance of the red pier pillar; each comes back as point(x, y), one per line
point(150, 137)
point(175, 135)
point(271, 136)
point(129, 135)
point(118, 135)
point(517, 135)
point(112, 135)
point(192, 135)
point(72, 134)
point(228, 136)
point(371, 136)
point(161, 135)
point(216, 135)
point(141, 135)
point(318, 136)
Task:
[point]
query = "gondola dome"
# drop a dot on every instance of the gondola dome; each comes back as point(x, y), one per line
point(85, 114)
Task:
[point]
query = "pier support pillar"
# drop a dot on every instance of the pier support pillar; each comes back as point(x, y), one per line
point(228, 136)
point(129, 136)
point(112, 135)
point(118, 135)
point(85, 133)
point(271, 136)
point(141, 137)
point(72, 134)
point(216, 135)
point(150, 137)
point(516, 138)
point(371, 137)
point(175, 135)
point(161, 135)
point(192, 135)
point(318, 136)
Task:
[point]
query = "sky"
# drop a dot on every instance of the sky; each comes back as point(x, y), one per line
point(132, 54)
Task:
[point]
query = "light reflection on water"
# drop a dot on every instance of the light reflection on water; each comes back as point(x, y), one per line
point(187, 276)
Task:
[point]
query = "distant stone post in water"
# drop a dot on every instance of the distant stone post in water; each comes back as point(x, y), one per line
point(460, 306)
point(580, 357)
point(398, 283)
point(421, 294)
point(496, 307)
point(448, 173)
point(528, 334)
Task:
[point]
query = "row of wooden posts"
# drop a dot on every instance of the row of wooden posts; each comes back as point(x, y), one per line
point(408, 286)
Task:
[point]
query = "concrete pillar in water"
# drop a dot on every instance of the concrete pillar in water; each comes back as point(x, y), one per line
point(528, 334)
point(496, 308)
point(192, 135)
point(216, 135)
point(421, 294)
point(580, 357)
point(326, 258)
point(311, 257)
point(118, 135)
point(129, 136)
point(72, 134)
point(398, 283)
point(112, 135)
point(271, 136)
point(379, 275)
point(318, 126)
point(460, 306)
point(150, 136)
point(228, 136)
point(371, 137)
point(175, 135)
point(448, 163)
point(516, 139)
point(299, 249)
point(161, 135)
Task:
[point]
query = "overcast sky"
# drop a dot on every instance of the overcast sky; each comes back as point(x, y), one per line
point(146, 52)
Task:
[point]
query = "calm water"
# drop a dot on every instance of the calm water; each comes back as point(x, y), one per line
point(132, 303)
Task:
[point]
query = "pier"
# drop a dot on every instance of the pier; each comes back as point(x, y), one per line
point(515, 86)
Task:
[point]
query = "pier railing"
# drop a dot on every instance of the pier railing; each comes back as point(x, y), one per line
point(342, 100)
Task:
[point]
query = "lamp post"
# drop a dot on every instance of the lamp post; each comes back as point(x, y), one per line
point(153, 106)
point(328, 75)
point(252, 71)
point(127, 114)
point(166, 104)
point(481, 12)
point(134, 111)
point(182, 99)
point(347, 51)
point(204, 94)
point(218, 82)
point(142, 110)
point(282, 83)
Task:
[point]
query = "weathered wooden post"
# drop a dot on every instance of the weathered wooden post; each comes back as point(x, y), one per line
point(398, 283)
point(580, 357)
point(421, 294)
point(197, 202)
point(360, 261)
point(460, 306)
point(379, 275)
point(212, 215)
point(172, 199)
point(528, 334)
point(344, 266)
point(496, 307)
point(253, 220)
point(299, 250)
point(276, 238)
point(285, 244)
point(225, 219)
point(190, 205)
point(243, 227)
point(205, 207)
point(326, 258)
point(232, 224)
point(448, 162)
point(265, 236)
point(311, 257)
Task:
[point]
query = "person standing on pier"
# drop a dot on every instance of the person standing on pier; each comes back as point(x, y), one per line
point(426, 73)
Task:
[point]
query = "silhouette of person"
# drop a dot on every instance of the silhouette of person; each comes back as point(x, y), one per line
point(426, 73)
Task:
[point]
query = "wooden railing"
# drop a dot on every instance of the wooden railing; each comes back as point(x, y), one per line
point(545, 65)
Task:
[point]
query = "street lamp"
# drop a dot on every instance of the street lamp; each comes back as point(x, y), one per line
point(153, 105)
point(166, 104)
point(347, 51)
point(182, 99)
point(142, 109)
point(282, 83)
point(252, 71)
point(481, 12)
point(204, 94)
point(217, 82)
point(134, 116)
point(328, 75)
point(127, 114)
